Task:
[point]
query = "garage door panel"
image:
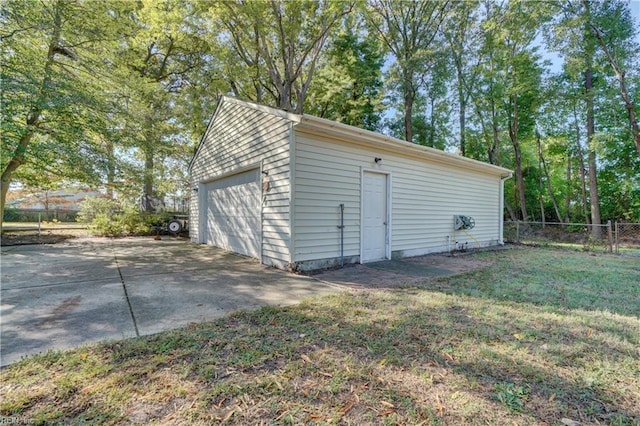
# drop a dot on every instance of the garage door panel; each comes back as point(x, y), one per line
point(233, 213)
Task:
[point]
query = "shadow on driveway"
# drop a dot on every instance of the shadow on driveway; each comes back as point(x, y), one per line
point(93, 289)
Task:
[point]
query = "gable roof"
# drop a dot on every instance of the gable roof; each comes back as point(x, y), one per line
point(340, 130)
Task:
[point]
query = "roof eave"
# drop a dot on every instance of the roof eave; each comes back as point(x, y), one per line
point(351, 132)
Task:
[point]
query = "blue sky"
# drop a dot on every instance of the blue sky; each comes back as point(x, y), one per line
point(634, 5)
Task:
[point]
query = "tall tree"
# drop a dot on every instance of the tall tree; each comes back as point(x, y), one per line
point(281, 41)
point(409, 30)
point(348, 82)
point(157, 62)
point(589, 53)
point(614, 31)
point(513, 72)
point(53, 75)
point(462, 32)
point(489, 90)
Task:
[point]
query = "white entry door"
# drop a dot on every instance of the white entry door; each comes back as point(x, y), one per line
point(233, 213)
point(374, 217)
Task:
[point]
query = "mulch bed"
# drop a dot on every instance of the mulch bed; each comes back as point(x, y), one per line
point(23, 239)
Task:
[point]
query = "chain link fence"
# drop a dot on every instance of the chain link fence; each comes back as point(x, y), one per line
point(621, 238)
point(627, 238)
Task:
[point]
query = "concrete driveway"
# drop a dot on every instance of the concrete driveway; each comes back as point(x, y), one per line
point(91, 289)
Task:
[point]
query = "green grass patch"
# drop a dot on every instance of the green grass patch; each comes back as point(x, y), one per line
point(539, 336)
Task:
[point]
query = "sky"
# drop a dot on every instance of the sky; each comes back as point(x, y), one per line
point(634, 5)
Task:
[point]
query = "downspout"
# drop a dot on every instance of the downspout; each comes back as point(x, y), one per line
point(501, 211)
point(292, 200)
point(341, 227)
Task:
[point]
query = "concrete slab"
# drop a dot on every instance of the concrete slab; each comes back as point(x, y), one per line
point(406, 272)
point(166, 301)
point(36, 319)
point(87, 290)
point(413, 269)
point(47, 274)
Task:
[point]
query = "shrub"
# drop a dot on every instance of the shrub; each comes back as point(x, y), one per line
point(93, 206)
point(136, 222)
point(10, 215)
point(112, 218)
point(107, 226)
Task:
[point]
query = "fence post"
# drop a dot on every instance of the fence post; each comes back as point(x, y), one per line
point(517, 231)
point(39, 221)
point(609, 236)
point(616, 237)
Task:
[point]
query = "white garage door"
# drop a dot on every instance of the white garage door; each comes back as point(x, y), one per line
point(233, 213)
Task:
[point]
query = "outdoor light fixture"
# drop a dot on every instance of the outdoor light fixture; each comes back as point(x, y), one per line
point(377, 160)
point(265, 172)
point(194, 189)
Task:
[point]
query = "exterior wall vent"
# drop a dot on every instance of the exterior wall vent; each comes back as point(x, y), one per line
point(463, 222)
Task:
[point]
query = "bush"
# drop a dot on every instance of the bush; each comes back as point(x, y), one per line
point(112, 218)
point(107, 226)
point(10, 215)
point(94, 206)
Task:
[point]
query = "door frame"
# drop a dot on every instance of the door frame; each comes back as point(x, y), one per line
point(203, 207)
point(388, 231)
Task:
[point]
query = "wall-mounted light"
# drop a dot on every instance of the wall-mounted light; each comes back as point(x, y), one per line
point(377, 160)
point(265, 172)
point(194, 189)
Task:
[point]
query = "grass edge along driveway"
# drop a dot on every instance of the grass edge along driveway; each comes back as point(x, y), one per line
point(542, 336)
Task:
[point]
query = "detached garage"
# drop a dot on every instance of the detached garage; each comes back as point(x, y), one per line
point(301, 192)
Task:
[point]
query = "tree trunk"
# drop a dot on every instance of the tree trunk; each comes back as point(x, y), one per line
point(463, 119)
point(111, 168)
point(513, 135)
point(34, 115)
point(148, 171)
point(512, 214)
point(496, 134)
point(582, 167)
point(567, 198)
point(16, 161)
point(432, 125)
point(596, 230)
point(408, 112)
point(543, 165)
point(462, 114)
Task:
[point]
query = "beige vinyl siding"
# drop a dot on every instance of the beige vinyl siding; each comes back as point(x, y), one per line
point(324, 179)
point(238, 138)
point(425, 194)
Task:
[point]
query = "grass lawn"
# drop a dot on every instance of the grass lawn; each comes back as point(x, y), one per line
point(542, 336)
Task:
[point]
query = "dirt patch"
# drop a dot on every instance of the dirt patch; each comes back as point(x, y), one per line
point(15, 239)
point(407, 272)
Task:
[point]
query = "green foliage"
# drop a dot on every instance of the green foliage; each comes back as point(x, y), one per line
point(113, 218)
point(278, 44)
point(107, 226)
point(92, 207)
point(10, 215)
point(513, 396)
point(347, 86)
point(52, 91)
point(410, 31)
